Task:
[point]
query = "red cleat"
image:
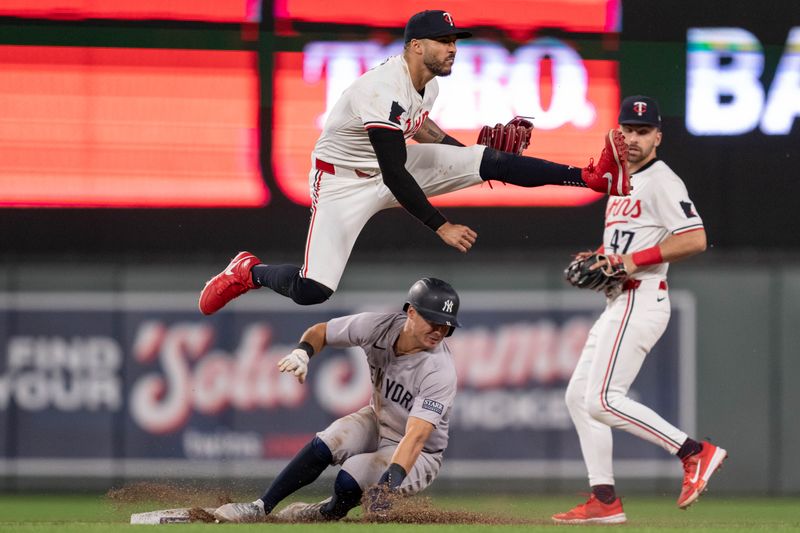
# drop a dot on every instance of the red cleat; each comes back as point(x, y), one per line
point(231, 283)
point(697, 470)
point(593, 512)
point(610, 176)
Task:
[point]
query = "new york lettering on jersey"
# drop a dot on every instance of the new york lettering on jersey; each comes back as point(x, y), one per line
point(399, 393)
point(395, 391)
point(391, 388)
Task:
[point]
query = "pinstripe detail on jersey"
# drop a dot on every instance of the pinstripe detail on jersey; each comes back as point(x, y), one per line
point(687, 229)
point(314, 201)
point(386, 125)
point(612, 362)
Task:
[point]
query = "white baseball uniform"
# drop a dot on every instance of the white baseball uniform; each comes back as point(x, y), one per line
point(345, 181)
point(631, 324)
point(422, 385)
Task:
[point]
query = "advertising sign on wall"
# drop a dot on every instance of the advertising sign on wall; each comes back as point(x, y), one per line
point(88, 380)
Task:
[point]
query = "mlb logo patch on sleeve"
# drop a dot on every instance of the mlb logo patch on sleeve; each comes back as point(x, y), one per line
point(431, 405)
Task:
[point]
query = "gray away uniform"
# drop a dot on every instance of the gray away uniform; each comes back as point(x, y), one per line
point(422, 385)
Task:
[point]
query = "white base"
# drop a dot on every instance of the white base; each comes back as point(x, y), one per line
point(165, 516)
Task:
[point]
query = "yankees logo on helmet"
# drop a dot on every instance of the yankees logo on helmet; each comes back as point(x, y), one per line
point(436, 301)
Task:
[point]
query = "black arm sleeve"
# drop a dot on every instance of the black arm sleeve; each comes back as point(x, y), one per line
point(390, 148)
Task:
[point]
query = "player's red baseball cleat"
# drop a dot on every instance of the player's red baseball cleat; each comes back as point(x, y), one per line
point(697, 470)
point(231, 283)
point(593, 512)
point(610, 176)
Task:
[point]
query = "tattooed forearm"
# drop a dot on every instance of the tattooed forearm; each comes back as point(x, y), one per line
point(429, 133)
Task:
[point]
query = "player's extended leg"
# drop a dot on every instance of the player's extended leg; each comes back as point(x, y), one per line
point(440, 169)
point(596, 439)
point(633, 324)
point(303, 469)
point(637, 318)
point(288, 281)
point(350, 435)
point(346, 495)
point(609, 176)
point(340, 207)
point(603, 507)
point(357, 474)
point(246, 272)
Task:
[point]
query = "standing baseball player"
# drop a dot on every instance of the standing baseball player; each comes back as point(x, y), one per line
point(657, 225)
point(361, 165)
point(396, 443)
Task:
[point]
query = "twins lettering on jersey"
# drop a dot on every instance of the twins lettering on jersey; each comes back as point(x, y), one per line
point(633, 209)
point(623, 207)
point(409, 127)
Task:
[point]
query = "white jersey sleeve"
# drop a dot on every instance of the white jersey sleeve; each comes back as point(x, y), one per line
point(379, 105)
point(383, 97)
point(676, 211)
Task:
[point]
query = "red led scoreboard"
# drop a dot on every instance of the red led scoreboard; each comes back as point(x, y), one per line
point(197, 10)
point(122, 127)
point(95, 126)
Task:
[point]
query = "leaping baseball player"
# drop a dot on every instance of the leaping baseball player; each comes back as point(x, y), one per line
point(395, 444)
point(657, 225)
point(361, 165)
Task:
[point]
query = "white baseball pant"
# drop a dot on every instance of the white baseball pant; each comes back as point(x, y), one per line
point(611, 359)
point(342, 201)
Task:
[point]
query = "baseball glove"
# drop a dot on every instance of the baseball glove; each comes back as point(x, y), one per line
point(607, 278)
point(513, 138)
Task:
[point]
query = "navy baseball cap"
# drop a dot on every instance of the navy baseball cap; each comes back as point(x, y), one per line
point(431, 24)
point(640, 109)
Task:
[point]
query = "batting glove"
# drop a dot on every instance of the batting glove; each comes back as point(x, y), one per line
point(296, 363)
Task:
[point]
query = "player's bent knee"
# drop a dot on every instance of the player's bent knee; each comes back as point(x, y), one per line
point(600, 410)
point(574, 398)
point(595, 410)
point(346, 495)
point(321, 450)
point(494, 164)
point(309, 292)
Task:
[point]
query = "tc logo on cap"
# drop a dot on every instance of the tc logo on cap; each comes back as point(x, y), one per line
point(448, 18)
point(640, 108)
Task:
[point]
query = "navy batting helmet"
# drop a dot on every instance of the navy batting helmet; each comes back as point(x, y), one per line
point(436, 301)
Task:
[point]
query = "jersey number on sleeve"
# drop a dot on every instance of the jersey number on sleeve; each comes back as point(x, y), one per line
point(621, 239)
